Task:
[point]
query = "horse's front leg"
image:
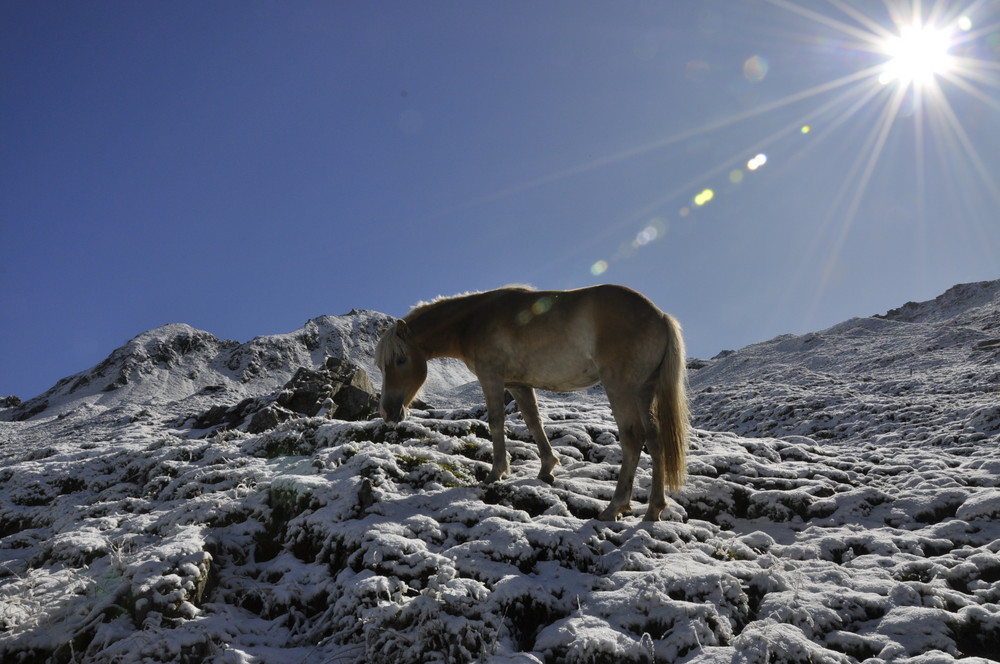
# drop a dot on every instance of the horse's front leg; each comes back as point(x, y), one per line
point(493, 392)
point(528, 405)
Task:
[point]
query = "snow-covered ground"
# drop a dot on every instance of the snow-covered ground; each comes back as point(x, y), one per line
point(843, 505)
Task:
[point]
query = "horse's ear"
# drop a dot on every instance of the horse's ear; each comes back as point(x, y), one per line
point(402, 330)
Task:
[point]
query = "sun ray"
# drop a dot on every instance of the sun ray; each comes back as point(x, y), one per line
point(897, 15)
point(953, 70)
point(978, 33)
point(864, 94)
point(875, 29)
point(872, 147)
point(968, 72)
point(954, 125)
point(959, 173)
point(858, 179)
point(640, 150)
point(976, 92)
point(831, 22)
point(977, 69)
point(920, 172)
point(793, 126)
point(692, 133)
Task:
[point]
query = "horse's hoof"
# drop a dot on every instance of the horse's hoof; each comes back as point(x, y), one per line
point(608, 515)
point(653, 512)
point(548, 478)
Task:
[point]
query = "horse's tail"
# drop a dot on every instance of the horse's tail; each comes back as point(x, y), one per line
point(672, 414)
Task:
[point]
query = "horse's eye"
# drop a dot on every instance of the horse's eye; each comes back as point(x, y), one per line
point(400, 361)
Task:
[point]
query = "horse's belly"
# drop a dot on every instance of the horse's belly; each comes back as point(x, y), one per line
point(557, 378)
point(566, 385)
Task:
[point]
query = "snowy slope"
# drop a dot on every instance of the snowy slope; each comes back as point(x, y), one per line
point(843, 505)
point(923, 373)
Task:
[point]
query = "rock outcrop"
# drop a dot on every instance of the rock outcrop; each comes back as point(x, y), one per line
point(339, 390)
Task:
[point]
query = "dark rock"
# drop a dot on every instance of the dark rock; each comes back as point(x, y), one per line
point(307, 391)
point(268, 418)
point(366, 496)
point(219, 415)
point(30, 409)
point(339, 387)
point(337, 390)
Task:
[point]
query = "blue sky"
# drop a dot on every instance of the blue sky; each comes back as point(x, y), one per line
point(245, 166)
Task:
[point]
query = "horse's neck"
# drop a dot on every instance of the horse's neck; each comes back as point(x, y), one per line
point(438, 327)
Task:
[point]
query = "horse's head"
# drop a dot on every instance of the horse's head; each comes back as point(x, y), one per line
point(404, 369)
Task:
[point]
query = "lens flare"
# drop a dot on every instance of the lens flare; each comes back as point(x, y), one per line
point(755, 69)
point(599, 268)
point(757, 162)
point(541, 306)
point(654, 230)
point(704, 197)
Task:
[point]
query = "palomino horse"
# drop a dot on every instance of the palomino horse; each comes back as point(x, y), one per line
point(519, 339)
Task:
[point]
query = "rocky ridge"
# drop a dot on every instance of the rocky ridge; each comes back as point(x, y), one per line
point(181, 370)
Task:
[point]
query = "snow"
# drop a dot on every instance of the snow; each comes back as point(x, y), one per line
point(842, 506)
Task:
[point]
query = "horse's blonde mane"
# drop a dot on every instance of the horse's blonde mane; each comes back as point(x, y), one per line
point(423, 306)
point(390, 348)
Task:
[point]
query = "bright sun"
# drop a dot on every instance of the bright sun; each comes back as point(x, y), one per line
point(917, 54)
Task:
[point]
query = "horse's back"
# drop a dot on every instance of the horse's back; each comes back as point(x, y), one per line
point(595, 315)
point(566, 340)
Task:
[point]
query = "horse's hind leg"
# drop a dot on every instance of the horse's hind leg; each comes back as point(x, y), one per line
point(657, 492)
point(528, 405)
point(631, 434)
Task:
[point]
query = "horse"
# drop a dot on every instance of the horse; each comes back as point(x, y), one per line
point(519, 339)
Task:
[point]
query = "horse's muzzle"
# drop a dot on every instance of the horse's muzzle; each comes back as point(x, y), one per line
point(392, 415)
